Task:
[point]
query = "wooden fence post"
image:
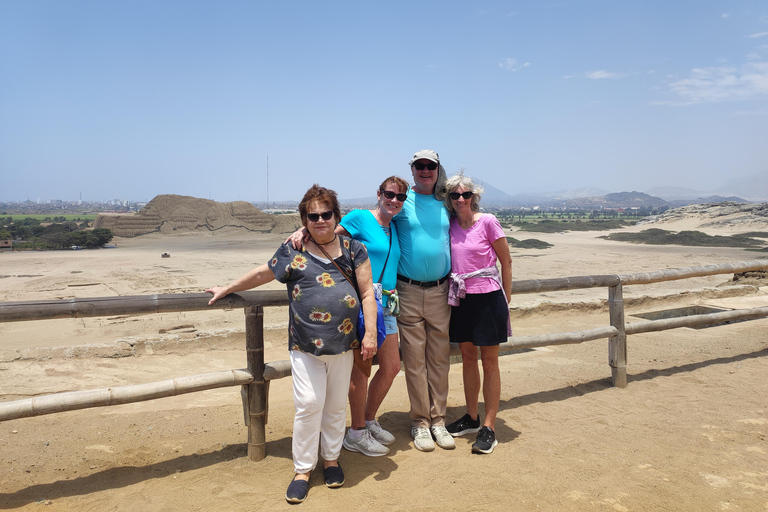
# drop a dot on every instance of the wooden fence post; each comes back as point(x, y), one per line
point(257, 389)
point(617, 345)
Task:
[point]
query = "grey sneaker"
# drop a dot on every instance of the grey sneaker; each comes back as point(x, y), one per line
point(422, 440)
point(486, 441)
point(464, 425)
point(365, 444)
point(443, 439)
point(380, 434)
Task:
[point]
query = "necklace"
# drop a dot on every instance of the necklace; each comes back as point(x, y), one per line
point(335, 236)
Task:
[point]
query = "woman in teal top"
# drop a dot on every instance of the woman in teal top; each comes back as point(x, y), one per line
point(374, 229)
point(381, 242)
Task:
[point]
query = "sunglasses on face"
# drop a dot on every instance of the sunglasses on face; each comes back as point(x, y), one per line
point(455, 195)
point(314, 217)
point(419, 166)
point(391, 195)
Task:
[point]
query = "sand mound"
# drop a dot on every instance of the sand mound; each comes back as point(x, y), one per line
point(170, 213)
point(727, 214)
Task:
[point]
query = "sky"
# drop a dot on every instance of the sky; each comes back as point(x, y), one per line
point(257, 100)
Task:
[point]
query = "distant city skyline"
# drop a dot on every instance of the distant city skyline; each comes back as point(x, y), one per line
point(752, 188)
point(192, 97)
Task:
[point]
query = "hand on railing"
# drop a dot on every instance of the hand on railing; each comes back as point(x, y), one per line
point(218, 292)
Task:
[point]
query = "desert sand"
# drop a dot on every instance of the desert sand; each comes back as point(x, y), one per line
point(687, 433)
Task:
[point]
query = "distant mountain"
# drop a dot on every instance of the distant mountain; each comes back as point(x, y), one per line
point(596, 198)
point(579, 192)
point(753, 188)
point(705, 200)
point(629, 199)
point(674, 193)
point(492, 195)
point(610, 200)
point(748, 188)
point(618, 200)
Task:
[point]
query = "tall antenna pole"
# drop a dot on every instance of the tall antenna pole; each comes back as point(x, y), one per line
point(267, 181)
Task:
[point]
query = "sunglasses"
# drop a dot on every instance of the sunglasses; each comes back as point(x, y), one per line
point(314, 217)
point(419, 166)
point(455, 195)
point(391, 195)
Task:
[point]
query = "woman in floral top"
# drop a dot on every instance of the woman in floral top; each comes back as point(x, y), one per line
point(322, 333)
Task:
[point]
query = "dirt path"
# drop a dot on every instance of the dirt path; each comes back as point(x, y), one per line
point(688, 433)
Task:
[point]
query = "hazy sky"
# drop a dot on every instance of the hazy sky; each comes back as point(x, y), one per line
point(130, 99)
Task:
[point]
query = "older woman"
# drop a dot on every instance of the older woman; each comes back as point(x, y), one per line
point(322, 335)
point(479, 298)
point(374, 229)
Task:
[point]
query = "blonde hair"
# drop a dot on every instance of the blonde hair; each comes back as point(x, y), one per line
point(459, 180)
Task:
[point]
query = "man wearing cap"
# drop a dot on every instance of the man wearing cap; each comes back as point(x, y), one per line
point(422, 284)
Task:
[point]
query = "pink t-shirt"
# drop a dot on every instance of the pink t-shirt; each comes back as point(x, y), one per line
point(472, 249)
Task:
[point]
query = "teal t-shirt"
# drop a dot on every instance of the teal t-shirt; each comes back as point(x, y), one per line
point(363, 226)
point(425, 247)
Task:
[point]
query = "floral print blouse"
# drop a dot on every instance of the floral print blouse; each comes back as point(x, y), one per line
point(323, 305)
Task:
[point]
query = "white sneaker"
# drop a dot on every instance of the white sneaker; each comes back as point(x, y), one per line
point(380, 434)
point(365, 444)
point(443, 439)
point(422, 440)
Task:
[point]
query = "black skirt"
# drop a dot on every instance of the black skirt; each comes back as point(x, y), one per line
point(480, 318)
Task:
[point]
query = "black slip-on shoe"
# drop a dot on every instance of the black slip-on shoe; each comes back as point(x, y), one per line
point(334, 476)
point(297, 491)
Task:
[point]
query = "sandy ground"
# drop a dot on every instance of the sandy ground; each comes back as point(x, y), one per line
point(688, 433)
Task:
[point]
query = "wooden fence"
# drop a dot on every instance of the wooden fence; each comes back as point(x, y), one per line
point(256, 377)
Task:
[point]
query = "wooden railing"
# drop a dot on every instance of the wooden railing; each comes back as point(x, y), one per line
point(255, 378)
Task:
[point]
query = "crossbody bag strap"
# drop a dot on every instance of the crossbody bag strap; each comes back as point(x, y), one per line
point(353, 283)
point(386, 260)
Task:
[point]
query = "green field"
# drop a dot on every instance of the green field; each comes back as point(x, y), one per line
point(555, 226)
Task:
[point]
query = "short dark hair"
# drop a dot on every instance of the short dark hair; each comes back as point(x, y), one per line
point(320, 194)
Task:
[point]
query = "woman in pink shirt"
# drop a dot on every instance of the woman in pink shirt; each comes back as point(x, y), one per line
point(479, 296)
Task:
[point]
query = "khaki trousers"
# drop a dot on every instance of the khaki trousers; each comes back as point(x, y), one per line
point(425, 317)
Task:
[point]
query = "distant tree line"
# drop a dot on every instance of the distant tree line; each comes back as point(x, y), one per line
point(58, 235)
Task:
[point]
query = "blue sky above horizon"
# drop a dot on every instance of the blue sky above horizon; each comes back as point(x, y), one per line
point(133, 99)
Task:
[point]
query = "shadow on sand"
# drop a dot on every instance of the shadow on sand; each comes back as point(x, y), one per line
point(359, 466)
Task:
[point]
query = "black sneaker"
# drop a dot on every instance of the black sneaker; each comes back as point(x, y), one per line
point(486, 441)
point(464, 425)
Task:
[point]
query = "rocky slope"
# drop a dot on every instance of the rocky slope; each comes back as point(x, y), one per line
point(749, 216)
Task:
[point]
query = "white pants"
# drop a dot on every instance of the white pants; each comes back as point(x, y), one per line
point(320, 386)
